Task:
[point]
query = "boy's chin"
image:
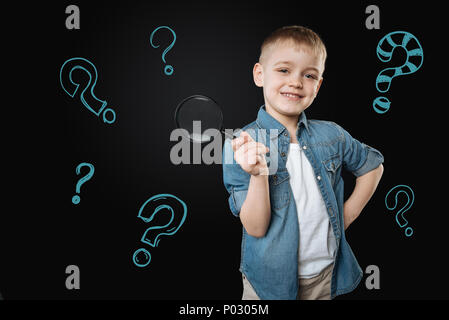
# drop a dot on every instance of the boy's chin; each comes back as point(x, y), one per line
point(289, 111)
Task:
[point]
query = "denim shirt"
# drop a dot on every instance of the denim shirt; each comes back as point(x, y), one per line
point(270, 263)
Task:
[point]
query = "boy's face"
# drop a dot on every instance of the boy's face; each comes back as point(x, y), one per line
point(291, 76)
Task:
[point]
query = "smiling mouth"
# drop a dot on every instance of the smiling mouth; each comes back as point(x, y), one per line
point(292, 95)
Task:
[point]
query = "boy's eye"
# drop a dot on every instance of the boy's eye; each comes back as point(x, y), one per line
point(311, 76)
point(283, 70)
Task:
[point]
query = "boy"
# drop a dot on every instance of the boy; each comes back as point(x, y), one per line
point(294, 218)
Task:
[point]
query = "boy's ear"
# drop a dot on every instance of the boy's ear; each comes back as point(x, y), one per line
point(318, 87)
point(258, 74)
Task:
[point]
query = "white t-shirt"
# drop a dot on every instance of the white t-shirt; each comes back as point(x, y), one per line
point(317, 242)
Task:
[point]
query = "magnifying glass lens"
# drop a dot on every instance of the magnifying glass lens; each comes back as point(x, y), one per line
point(196, 114)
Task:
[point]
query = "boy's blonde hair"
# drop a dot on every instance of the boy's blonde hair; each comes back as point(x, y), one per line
point(297, 34)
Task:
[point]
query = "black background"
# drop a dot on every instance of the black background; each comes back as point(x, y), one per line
point(48, 134)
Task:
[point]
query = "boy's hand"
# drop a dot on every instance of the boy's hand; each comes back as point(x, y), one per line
point(363, 191)
point(250, 155)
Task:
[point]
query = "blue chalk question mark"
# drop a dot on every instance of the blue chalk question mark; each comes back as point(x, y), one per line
point(410, 199)
point(87, 96)
point(159, 205)
point(168, 68)
point(385, 49)
point(76, 198)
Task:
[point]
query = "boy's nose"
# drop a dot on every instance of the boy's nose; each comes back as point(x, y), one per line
point(296, 82)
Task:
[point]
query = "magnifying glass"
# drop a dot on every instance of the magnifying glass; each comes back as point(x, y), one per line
point(203, 109)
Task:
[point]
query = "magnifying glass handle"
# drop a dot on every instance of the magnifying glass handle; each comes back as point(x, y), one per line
point(229, 135)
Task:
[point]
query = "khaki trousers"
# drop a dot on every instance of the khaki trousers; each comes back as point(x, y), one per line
point(316, 288)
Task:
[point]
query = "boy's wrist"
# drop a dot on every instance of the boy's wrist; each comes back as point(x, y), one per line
point(259, 177)
point(350, 212)
point(263, 172)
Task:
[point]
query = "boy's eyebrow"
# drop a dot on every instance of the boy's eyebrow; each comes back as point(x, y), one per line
point(291, 63)
point(313, 68)
point(283, 62)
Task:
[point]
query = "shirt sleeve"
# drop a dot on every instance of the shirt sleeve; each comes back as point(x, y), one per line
point(235, 179)
point(358, 157)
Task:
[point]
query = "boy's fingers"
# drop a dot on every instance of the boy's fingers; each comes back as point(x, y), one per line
point(261, 160)
point(244, 133)
point(259, 147)
point(246, 136)
point(246, 152)
point(254, 156)
point(241, 140)
point(235, 145)
point(238, 142)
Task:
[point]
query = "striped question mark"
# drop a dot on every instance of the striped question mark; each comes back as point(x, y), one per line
point(385, 49)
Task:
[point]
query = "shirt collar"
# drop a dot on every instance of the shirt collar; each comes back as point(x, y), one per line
point(266, 121)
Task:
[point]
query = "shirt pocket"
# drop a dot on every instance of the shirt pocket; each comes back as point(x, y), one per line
point(279, 190)
point(332, 166)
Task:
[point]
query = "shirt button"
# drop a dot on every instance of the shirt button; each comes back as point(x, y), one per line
point(283, 154)
point(275, 178)
point(318, 177)
point(286, 134)
point(304, 147)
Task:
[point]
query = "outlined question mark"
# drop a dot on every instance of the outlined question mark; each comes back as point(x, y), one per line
point(159, 205)
point(87, 96)
point(385, 49)
point(168, 68)
point(76, 198)
point(410, 199)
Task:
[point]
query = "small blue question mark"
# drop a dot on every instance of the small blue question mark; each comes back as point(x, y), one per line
point(88, 98)
point(385, 49)
point(157, 205)
point(76, 198)
point(168, 68)
point(410, 199)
